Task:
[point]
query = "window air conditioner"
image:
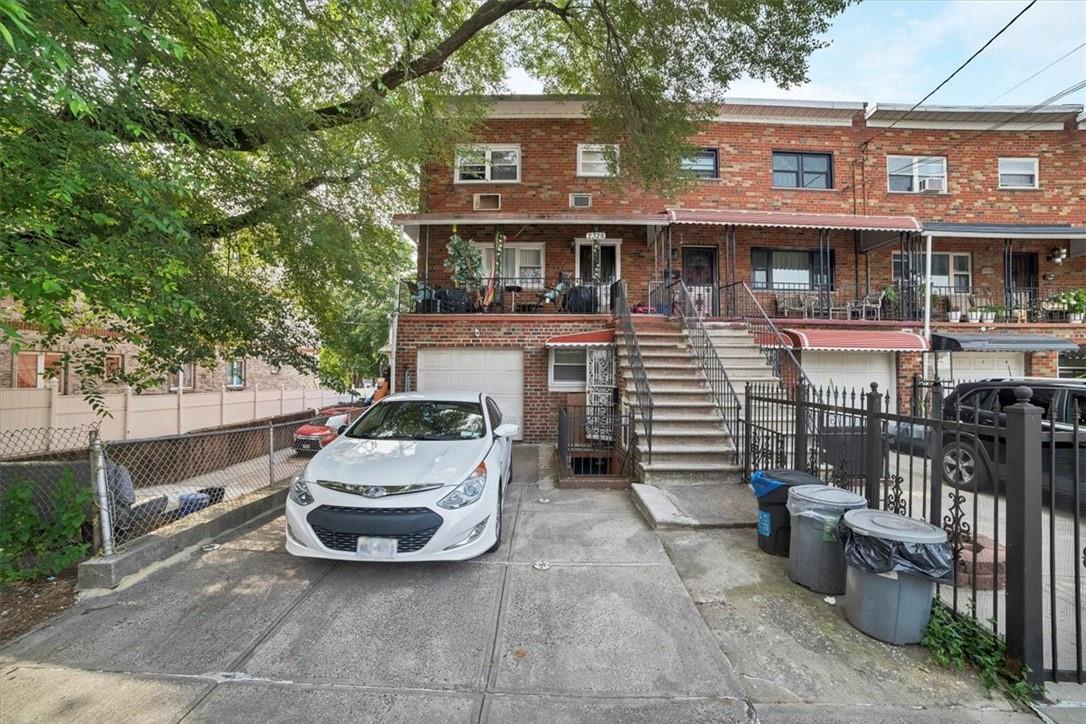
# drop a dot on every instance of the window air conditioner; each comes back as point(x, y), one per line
point(932, 185)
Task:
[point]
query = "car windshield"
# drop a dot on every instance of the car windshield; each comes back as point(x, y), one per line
point(421, 420)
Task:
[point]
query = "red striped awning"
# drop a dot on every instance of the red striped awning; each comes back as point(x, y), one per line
point(790, 220)
point(856, 340)
point(595, 338)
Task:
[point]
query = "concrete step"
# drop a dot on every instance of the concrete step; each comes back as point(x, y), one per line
point(665, 373)
point(690, 473)
point(698, 406)
point(710, 505)
point(732, 340)
point(668, 434)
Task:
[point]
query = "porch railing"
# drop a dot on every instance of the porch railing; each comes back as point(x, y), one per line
point(510, 295)
point(738, 303)
point(636, 363)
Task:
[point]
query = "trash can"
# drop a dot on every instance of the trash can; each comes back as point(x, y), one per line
point(815, 556)
point(893, 565)
point(771, 489)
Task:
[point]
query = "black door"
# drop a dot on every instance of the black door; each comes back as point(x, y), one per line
point(608, 262)
point(1024, 270)
point(699, 274)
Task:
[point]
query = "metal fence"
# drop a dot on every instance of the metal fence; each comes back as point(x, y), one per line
point(133, 487)
point(595, 439)
point(1002, 470)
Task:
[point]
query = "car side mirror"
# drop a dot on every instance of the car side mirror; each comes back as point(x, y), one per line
point(342, 429)
point(506, 429)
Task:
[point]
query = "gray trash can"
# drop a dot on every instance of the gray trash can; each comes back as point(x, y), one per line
point(893, 564)
point(815, 557)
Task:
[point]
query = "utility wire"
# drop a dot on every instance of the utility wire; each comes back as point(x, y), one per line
point(1070, 52)
point(956, 71)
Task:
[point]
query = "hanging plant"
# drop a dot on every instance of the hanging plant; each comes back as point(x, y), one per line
point(465, 262)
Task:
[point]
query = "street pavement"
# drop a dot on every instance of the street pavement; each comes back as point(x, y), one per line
point(584, 614)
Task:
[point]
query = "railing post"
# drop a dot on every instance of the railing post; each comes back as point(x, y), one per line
point(1025, 643)
point(800, 453)
point(935, 448)
point(271, 453)
point(873, 447)
point(747, 434)
point(101, 492)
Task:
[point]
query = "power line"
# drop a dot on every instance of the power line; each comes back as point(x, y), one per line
point(1078, 47)
point(956, 71)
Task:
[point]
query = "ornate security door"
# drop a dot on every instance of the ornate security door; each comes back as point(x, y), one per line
point(599, 388)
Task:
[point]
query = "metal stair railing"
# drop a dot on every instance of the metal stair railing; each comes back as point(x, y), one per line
point(738, 302)
point(724, 395)
point(621, 310)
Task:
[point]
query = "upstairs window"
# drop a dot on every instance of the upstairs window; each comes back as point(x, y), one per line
point(915, 174)
point(802, 170)
point(594, 159)
point(488, 164)
point(703, 164)
point(791, 270)
point(1018, 173)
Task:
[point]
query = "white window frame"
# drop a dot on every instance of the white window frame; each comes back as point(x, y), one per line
point(914, 161)
point(1036, 172)
point(61, 378)
point(895, 256)
point(488, 149)
point(566, 385)
point(236, 386)
point(515, 249)
point(189, 380)
point(596, 147)
point(579, 242)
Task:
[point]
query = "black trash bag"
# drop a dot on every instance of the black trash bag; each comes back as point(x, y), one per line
point(933, 561)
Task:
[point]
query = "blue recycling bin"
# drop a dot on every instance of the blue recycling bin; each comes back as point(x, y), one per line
point(774, 522)
point(192, 502)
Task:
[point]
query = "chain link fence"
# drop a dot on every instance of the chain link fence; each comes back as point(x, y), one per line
point(90, 495)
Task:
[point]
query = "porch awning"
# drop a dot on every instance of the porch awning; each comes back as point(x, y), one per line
point(513, 217)
point(595, 338)
point(856, 340)
point(789, 220)
point(1051, 232)
point(943, 342)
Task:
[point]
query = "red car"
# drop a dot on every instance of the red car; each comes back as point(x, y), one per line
point(315, 434)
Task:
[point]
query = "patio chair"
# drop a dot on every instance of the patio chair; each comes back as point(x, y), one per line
point(870, 303)
point(555, 295)
point(793, 302)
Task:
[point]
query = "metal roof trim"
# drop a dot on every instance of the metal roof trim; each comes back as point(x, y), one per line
point(944, 342)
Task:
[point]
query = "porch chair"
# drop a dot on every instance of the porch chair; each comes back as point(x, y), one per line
point(793, 302)
point(870, 303)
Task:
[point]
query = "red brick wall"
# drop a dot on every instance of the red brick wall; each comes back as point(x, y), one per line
point(548, 173)
point(499, 331)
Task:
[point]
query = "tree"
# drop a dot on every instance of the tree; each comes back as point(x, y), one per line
point(217, 176)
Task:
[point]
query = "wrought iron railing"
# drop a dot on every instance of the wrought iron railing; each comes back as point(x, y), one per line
point(636, 363)
point(510, 295)
point(738, 303)
point(592, 439)
point(724, 395)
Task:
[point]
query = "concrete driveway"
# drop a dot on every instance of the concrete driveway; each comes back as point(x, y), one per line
point(579, 616)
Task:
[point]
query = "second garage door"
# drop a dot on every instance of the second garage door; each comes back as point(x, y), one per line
point(969, 366)
point(849, 371)
point(497, 372)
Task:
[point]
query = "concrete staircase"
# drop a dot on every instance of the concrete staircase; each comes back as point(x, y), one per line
point(693, 478)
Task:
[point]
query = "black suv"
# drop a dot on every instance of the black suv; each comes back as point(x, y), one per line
point(968, 455)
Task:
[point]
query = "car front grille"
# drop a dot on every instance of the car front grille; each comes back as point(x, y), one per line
point(347, 541)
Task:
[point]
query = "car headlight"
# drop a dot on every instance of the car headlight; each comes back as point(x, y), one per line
point(299, 491)
point(466, 492)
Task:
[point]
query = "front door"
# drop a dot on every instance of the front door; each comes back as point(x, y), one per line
point(1023, 285)
point(608, 263)
point(699, 275)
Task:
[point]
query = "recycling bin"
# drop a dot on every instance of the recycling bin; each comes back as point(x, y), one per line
point(188, 503)
point(771, 489)
point(815, 556)
point(893, 565)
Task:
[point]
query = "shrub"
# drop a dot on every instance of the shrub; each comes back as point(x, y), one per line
point(33, 546)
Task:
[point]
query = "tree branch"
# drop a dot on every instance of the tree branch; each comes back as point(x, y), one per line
point(218, 134)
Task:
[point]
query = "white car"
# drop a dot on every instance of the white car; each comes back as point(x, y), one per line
point(419, 477)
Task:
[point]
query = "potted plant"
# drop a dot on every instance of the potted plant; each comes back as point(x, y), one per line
point(974, 315)
point(465, 264)
point(1075, 302)
point(991, 311)
point(954, 313)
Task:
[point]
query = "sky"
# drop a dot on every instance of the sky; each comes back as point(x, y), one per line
point(897, 51)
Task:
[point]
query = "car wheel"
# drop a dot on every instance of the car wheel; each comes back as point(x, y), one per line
point(498, 522)
point(963, 468)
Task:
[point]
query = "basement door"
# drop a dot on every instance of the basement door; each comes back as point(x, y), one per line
point(600, 393)
point(497, 372)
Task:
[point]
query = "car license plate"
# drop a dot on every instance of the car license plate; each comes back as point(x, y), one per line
point(377, 547)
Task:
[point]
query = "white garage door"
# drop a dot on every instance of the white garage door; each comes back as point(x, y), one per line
point(852, 371)
point(497, 372)
point(968, 366)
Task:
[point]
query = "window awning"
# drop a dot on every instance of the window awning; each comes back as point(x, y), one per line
point(856, 340)
point(595, 338)
point(943, 342)
point(789, 220)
